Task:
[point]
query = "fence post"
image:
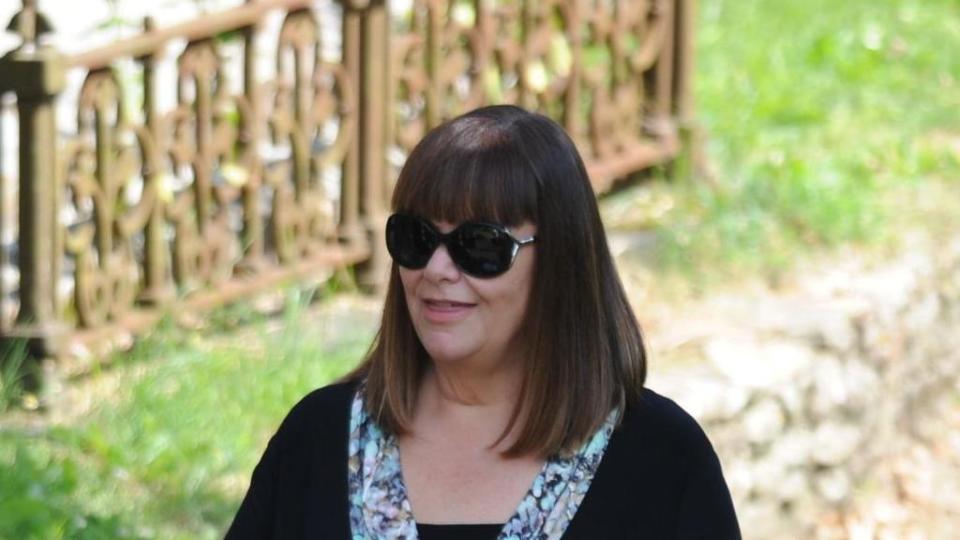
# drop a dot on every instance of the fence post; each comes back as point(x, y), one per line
point(663, 74)
point(375, 65)
point(351, 230)
point(685, 43)
point(35, 74)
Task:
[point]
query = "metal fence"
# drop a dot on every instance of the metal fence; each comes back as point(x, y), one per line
point(256, 173)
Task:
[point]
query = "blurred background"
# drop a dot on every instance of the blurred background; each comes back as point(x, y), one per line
point(787, 225)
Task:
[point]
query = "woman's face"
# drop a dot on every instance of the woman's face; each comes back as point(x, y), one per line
point(461, 318)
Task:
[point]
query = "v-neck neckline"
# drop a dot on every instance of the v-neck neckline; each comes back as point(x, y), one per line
point(380, 506)
point(393, 445)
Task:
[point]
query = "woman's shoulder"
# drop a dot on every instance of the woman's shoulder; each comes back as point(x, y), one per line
point(660, 474)
point(302, 470)
point(327, 406)
point(338, 394)
point(655, 423)
point(655, 411)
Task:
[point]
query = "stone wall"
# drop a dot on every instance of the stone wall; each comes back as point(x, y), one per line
point(818, 400)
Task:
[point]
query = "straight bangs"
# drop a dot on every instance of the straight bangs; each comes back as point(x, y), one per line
point(471, 172)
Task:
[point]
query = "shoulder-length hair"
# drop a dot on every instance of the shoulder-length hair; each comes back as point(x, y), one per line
point(585, 354)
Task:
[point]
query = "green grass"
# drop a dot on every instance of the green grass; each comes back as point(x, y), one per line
point(13, 373)
point(167, 452)
point(823, 122)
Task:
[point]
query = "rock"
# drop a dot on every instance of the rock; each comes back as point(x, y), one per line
point(704, 395)
point(889, 512)
point(827, 325)
point(888, 290)
point(882, 343)
point(794, 486)
point(761, 519)
point(862, 381)
point(791, 397)
point(793, 449)
point(921, 316)
point(757, 365)
point(764, 421)
point(862, 529)
point(739, 477)
point(768, 475)
point(835, 443)
point(830, 388)
point(833, 484)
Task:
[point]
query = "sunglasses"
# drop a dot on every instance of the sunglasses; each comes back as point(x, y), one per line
point(482, 250)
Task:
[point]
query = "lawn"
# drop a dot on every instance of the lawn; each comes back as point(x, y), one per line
point(178, 424)
point(825, 124)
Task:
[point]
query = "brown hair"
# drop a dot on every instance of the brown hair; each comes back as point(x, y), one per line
point(585, 352)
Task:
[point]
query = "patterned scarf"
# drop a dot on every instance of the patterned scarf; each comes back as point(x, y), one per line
point(380, 510)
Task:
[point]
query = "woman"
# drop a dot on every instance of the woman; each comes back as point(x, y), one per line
point(503, 396)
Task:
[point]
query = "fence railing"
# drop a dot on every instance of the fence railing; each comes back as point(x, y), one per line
point(221, 175)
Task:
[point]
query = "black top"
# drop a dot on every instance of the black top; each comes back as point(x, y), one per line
point(458, 532)
point(659, 478)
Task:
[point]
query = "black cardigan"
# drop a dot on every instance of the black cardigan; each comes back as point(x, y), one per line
point(659, 478)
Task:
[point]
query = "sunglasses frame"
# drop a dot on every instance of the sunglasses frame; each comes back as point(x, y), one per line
point(445, 239)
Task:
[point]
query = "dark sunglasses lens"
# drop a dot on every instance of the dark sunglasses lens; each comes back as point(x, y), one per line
point(410, 241)
point(482, 250)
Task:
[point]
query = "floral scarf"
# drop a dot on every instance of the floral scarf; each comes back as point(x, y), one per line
point(379, 508)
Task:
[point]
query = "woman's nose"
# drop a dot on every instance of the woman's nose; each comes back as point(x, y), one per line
point(441, 267)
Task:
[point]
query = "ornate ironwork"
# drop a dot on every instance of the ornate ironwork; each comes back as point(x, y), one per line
point(312, 98)
point(107, 158)
point(242, 184)
point(202, 142)
point(591, 65)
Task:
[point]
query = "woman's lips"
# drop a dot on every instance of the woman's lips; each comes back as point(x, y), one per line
point(444, 311)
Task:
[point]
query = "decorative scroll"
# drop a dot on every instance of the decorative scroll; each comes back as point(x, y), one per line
point(107, 160)
point(631, 37)
point(202, 148)
point(314, 114)
point(584, 63)
point(189, 184)
point(224, 192)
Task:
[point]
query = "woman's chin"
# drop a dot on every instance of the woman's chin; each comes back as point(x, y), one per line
point(447, 356)
point(446, 344)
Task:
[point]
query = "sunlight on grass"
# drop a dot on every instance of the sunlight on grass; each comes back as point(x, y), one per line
point(168, 455)
point(814, 112)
